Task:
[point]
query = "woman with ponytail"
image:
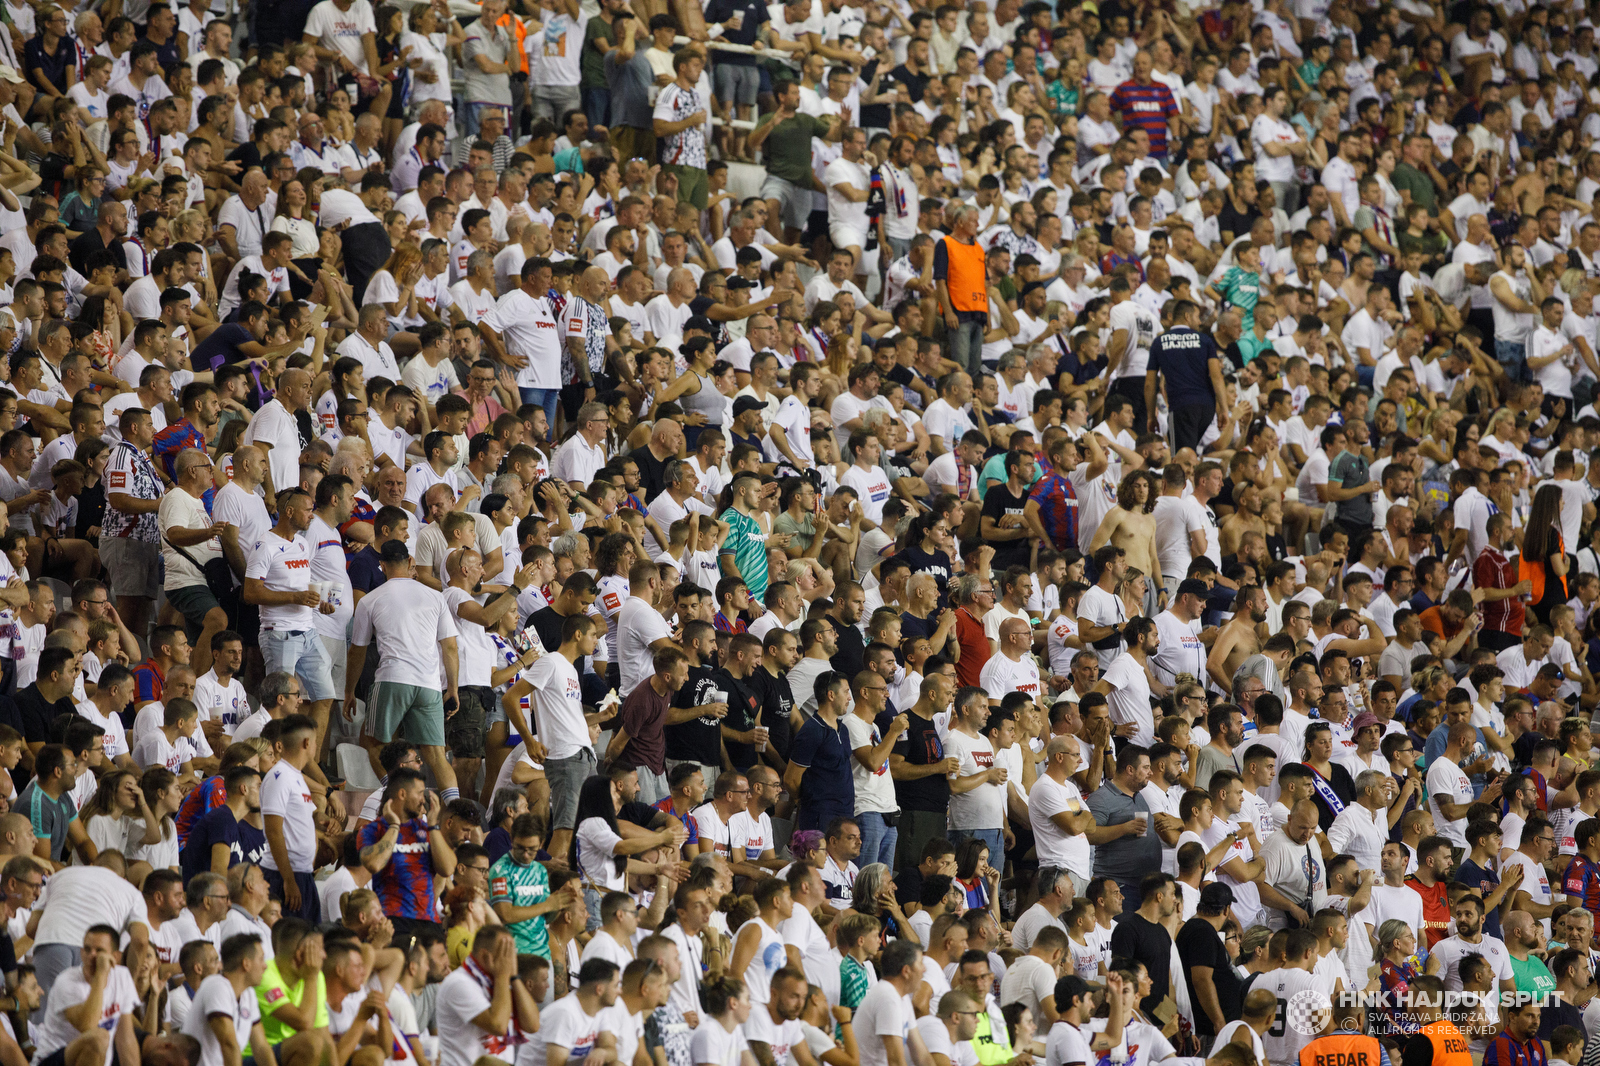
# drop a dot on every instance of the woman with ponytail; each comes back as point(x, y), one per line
point(719, 1039)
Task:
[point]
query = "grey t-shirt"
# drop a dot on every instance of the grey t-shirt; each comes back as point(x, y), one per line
point(1127, 859)
point(630, 90)
point(1209, 762)
point(493, 43)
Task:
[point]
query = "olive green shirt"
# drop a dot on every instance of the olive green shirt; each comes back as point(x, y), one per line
point(1408, 177)
point(592, 63)
point(788, 148)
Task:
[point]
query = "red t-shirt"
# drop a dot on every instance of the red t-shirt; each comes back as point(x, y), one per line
point(974, 647)
point(1435, 908)
point(1495, 570)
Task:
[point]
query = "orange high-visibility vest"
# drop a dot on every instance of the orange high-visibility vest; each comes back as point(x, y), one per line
point(1342, 1049)
point(1449, 1045)
point(967, 279)
point(519, 33)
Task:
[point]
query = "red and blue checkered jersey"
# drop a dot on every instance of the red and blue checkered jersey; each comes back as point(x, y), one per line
point(148, 682)
point(687, 820)
point(200, 802)
point(174, 439)
point(405, 884)
point(1504, 1051)
point(1148, 107)
point(1058, 509)
point(362, 512)
point(1582, 881)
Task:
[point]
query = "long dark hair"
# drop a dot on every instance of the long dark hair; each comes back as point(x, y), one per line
point(1541, 537)
point(594, 801)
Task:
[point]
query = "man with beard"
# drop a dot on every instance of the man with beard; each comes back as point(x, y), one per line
point(773, 1029)
point(1131, 526)
point(1444, 958)
point(698, 739)
point(1237, 641)
point(780, 650)
point(403, 872)
point(225, 836)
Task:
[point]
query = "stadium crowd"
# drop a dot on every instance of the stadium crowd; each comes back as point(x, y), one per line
point(636, 533)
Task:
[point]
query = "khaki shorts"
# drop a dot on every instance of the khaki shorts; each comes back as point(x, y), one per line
point(133, 566)
point(693, 184)
point(633, 142)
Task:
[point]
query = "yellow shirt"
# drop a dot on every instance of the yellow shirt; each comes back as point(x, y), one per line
point(273, 992)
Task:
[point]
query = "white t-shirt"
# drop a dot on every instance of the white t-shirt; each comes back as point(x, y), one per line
point(77, 897)
point(461, 1043)
point(982, 807)
point(874, 788)
point(285, 793)
point(182, 511)
point(216, 701)
point(1452, 949)
point(882, 1012)
point(557, 705)
point(72, 988)
point(713, 1045)
point(1056, 847)
point(638, 626)
point(415, 620)
point(566, 1025)
point(1445, 778)
point(283, 566)
point(215, 996)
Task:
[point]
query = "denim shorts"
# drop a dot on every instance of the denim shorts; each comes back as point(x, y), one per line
point(300, 652)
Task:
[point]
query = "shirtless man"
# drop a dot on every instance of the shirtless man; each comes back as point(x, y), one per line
point(1238, 640)
point(1246, 518)
point(1131, 526)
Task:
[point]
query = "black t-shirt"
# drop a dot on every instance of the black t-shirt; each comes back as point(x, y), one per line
point(698, 739)
point(920, 745)
point(1230, 220)
point(1556, 1014)
point(1344, 787)
point(915, 83)
point(638, 812)
point(36, 713)
point(650, 471)
point(82, 247)
point(547, 622)
point(1199, 945)
point(246, 155)
point(1143, 940)
point(744, 710)
point(851, 658)
point(1483, 882)
point(936, 562)
point(997, 503)
point(776, 702)
point(908, 885)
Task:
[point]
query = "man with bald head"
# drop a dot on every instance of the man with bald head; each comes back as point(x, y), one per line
point(1294, 881)
point(1013, 669)
point(666, 443)
point(666, 315)
point(242, 223)
point(106, 235)
point(586, 327)
point(282, 428)
point(1523, 937)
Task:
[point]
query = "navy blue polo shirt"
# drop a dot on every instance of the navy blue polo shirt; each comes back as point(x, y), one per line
point(828, 789)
